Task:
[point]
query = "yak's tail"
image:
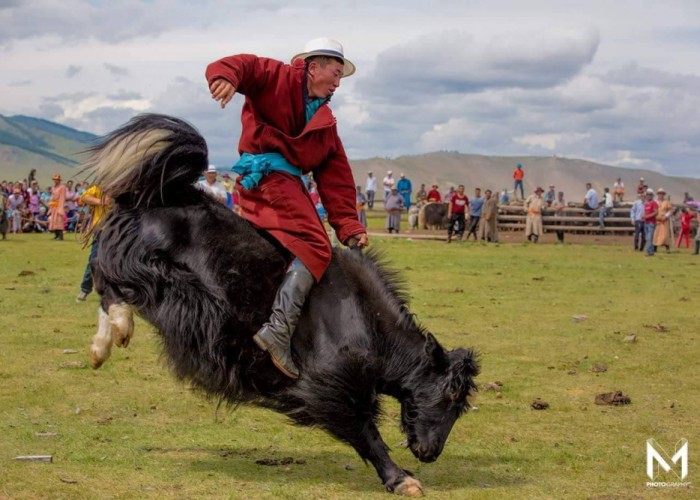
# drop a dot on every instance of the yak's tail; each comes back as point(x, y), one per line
point(148, 160)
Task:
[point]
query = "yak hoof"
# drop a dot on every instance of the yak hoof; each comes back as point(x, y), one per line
point(98, 357)
point(121, 323)
point(409, 487)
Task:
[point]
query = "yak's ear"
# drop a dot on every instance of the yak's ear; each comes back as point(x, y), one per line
point(435, 352)
point(462, 373)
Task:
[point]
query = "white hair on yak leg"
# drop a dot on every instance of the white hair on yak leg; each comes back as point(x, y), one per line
point(101, 347)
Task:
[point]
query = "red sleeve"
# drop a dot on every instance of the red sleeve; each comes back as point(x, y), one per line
point(246, 72)
point(337, 189)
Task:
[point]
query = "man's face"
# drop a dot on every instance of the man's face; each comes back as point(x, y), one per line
point(487, 195)
point(477, 193)
point(460, 190)
point(323, 81)
point(210, 177)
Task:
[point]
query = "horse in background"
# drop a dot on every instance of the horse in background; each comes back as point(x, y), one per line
point(206, 279)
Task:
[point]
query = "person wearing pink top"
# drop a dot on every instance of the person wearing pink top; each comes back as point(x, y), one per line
point(57, 208)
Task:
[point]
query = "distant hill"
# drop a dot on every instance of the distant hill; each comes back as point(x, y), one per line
point(496, 172)
point(27, 143)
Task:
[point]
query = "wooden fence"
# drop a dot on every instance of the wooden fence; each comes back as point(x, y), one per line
point(571, 219)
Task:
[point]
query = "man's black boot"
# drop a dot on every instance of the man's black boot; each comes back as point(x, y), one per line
point(276, 335)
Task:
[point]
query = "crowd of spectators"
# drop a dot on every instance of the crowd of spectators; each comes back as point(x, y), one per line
point(28, 206)
point(464, 213)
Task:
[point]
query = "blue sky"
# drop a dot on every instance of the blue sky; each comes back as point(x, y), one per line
point(614, 82)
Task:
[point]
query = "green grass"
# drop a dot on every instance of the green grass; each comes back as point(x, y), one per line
point(129, 430)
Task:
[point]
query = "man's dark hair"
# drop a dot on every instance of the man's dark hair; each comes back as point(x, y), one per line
point(324, 60)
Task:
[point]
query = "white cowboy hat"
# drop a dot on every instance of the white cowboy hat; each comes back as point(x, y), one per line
point(211, 168)
point(326, 47)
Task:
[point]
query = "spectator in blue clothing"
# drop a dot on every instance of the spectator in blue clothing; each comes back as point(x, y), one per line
point(590, 202)
point(405, 189)
point(637, 217)
point(475, 207)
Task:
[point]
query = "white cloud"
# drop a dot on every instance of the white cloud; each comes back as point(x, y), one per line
point(501, 77)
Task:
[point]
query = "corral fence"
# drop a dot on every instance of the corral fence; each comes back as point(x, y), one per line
point(576, 219)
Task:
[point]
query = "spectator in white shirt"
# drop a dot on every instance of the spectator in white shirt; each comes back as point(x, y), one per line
point(211, 186)
point(388, 183)
point(370, 189)
point(607, 207)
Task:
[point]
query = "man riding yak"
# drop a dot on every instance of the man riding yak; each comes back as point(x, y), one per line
point(289, 130)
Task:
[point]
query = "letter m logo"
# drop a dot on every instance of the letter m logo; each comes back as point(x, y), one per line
point(656, 453)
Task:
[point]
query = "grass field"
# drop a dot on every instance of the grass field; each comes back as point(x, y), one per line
point(129, 430)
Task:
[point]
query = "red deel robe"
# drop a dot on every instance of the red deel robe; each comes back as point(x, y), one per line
point(273, 119)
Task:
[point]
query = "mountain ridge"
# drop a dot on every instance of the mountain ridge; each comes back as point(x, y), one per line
point(27, 142)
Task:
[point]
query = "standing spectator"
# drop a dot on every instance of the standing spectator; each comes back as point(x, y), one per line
point(534, 205)
point(590, 202)
point(388, 183)
point(405, 189)
point(559, 205)
point(504, 198)
point(456, 212)
point(370, 189)
point(98, 205)
point(34, 198)
point(421, 195)
point(663, 233)
point(642, 187)
point(57, 208)
point(15, 204)
point(227, 183)
point(519, 175)
point(448, 195)
point(651, 210)
point(31, 177)
point(3, 214)
point(687, 197)
point(488, 228)
point(213, 187)
point(361, 202)
point(686, 219)
point(550, 195)
point(637, 218)
point(434, 194)
point(606, 208)
point(475, 207)
point(393, 204)
point(71, 197)
point(618, 190)
point(697, 235)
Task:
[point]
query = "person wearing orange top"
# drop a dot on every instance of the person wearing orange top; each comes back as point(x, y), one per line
point(518, 175)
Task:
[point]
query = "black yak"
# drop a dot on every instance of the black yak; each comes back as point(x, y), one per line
point(206, 279)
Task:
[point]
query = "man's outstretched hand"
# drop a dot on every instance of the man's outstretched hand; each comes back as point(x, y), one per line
point(222, 91)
